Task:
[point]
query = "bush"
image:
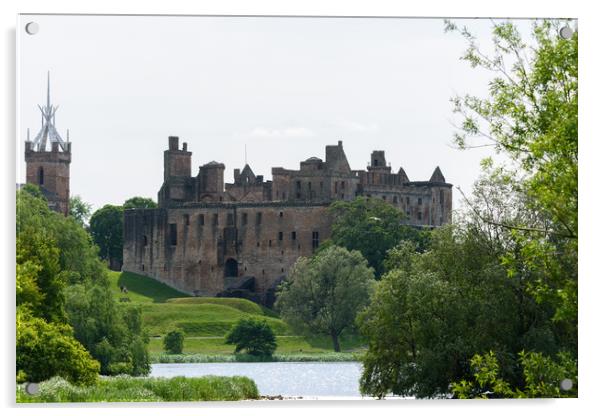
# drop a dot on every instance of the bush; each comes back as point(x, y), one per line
point(47, 349)
point(254, 336)
point(173, 342)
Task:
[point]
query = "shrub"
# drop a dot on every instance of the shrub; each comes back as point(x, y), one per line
point(173, 342)
point(254, 336)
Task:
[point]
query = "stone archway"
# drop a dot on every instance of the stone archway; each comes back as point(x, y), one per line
point(231, 268)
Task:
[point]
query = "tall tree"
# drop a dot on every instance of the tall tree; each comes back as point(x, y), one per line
point(372, 227)
point(79, 210)
point(106, 227)
point(323, 294)
point(139, 202)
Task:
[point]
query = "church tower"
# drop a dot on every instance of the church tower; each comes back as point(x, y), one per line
point(47, 158)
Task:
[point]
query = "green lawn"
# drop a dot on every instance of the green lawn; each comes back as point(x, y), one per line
point(205, 320)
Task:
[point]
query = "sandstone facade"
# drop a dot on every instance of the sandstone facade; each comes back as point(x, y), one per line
point(207, 236)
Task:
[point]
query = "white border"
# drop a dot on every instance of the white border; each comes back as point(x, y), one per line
point(590, 277)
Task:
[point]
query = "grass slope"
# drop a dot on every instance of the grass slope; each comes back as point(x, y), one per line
point(205, 320)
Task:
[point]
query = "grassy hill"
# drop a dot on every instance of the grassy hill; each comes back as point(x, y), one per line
point(205, 320)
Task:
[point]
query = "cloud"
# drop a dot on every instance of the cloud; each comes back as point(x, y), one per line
point(356, 126)
point(286, 132)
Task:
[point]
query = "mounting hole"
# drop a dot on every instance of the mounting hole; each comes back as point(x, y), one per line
point(566, 32)
point(32, 28)
point(566, 384)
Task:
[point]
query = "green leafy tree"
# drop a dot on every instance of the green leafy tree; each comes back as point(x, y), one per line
point(372, 227)
point(542, 377)
point(139, 202)
point(173, 342)
point(253, 336)
point(323, 294)
point(530, 115)
point(45, 350)
point(79, 210)
point(61, 280)
point(106, 227)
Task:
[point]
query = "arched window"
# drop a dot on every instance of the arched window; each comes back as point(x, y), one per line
point(41, 176)
point(231, 268)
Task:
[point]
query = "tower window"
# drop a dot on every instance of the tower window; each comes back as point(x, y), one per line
point(420, 216)
point(230, 220)
point(280, 236)
point(419, 201)
point(41, 176)
point(294, 235)
point(215, 219)
point(173, 234)
point(315, 240)
point(201, 219)
point(186, 219)
point(244, 218)
point(144, 240)
point(441, 197)
point(258, 219)
point(281, 214)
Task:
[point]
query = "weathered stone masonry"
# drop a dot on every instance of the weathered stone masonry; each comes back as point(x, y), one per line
point(206, 236)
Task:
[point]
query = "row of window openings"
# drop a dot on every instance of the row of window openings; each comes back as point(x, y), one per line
point(262, 271)
point(230, 219)
point(173, 237)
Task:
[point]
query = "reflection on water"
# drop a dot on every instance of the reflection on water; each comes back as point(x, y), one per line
point(287, 379)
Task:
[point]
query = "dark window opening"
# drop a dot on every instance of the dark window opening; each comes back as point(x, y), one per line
point(230, 220)
point(336, 187)
point(215, 219)
point(41, 176)
point(384, 197)
point(343, 185)
point(441, 197)
point(258, 244)
point(186, 219)
point(262, 271)
point(294, 235)
point(201, 219)
point(298, 195)
point(419, 201)
point(375, 162)
point(231, 268)
point(245, 218)
point(315, 240)
point(144, 240)
point(258, 218)
point(143, 267)
point(280, 235)
point(420, 216)
point(407, 200)
point(173, 234)
point(298, 184)
point(269, 243)
point(281, 214)
point(394, 199)
point(282, 270)
point(321, 186)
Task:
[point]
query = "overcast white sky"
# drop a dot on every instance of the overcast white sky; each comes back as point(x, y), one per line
point(285, 87)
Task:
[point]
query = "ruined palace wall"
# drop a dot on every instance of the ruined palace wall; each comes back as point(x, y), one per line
point(264, 241)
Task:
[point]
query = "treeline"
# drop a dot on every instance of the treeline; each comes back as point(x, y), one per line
point(68, 323)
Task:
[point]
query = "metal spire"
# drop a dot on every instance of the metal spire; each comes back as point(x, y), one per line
point(48, 132)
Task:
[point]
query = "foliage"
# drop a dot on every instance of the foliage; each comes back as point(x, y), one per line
point(253, 336)
point(106, 227)
point(542, 376)
point(531, 116)
point(246, 358)
point(372, 227)
point(79, 210)
point(323, 294)
point(128, 389)
point(48, 349)
point(173, 342)
point(61, 280)
point(139, 202)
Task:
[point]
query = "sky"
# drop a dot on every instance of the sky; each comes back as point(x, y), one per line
point(284, 88)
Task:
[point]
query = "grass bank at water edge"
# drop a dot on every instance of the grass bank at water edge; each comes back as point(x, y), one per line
point(132, 389)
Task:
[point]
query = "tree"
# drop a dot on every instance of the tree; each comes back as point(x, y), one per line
point(253, 336)
point(173, 342)
point(372, 227)
point(139, 202)
point(530, 115)
point(323, 294)
point(106, 227)
point(79, 210)
point(61, 281)
point(47, 349)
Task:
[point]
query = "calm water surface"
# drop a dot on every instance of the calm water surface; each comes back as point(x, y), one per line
point(287, 379)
